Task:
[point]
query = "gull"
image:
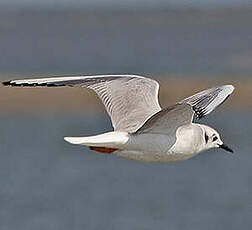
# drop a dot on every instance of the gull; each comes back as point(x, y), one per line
point(143, 131)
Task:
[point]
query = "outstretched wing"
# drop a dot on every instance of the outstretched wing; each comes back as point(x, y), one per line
point(129, 99)
point(206, 101)
point(168, 120)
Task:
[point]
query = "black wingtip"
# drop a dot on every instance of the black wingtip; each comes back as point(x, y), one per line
point(25, 84)
point(13, 83)
point(6, 83)
point(10, 83)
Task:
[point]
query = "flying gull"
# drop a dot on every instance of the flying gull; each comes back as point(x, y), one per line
point(143, 131)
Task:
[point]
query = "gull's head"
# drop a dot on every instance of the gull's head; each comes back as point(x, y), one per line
point(212, 139)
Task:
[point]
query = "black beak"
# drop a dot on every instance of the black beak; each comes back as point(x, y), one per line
point(226, 148)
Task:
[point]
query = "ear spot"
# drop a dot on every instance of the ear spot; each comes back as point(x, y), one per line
point(206, 138)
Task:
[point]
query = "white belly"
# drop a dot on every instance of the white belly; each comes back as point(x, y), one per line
point(152, 157)
point(158, 148)
point(151, 148)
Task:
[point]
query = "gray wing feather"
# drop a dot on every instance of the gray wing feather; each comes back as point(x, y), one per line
point(206, 101)
point(129, 99)
point(168, 120)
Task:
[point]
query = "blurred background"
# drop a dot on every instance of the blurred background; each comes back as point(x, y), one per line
point(187, 46)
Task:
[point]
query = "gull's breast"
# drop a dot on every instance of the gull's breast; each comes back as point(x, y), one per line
point(189, 141)
point(147, 147)
point(151, 147)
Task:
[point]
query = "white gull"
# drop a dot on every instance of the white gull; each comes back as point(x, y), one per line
point(144, 131)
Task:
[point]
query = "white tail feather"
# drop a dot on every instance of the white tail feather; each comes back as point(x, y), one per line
point(109, 140)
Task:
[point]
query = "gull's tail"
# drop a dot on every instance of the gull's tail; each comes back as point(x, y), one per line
point(106, 142)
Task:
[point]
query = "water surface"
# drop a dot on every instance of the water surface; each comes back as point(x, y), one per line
point(46, 183)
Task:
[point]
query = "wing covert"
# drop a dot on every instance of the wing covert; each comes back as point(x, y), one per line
point(168, 120)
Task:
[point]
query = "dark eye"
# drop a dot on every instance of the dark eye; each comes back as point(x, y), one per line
point(206, 138)
point(215, 138)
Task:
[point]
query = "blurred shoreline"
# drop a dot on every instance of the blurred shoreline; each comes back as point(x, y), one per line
point(67, 99)
point(185, 49)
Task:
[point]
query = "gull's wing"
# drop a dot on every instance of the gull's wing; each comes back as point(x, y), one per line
point(206, 101)
point(168, 120)
point(129, 99)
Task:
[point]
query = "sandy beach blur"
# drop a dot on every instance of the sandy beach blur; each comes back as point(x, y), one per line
point(74, 99)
